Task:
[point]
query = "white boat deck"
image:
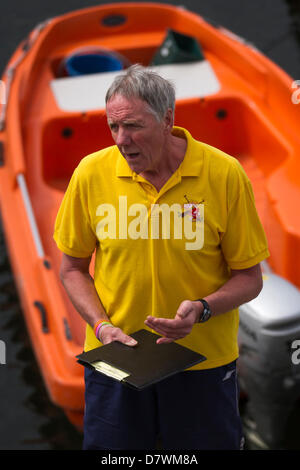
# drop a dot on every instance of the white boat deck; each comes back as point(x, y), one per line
point(87, 92)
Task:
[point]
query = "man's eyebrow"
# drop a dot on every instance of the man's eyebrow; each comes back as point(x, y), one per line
point(125, 121)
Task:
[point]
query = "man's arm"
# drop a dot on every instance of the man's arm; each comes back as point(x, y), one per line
point(243, 286)
point(79, 285)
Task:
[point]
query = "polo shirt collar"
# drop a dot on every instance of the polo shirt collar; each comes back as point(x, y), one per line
point(122, 167)
point(190, 166)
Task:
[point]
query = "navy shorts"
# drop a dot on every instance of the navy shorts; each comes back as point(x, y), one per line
point(195, 410)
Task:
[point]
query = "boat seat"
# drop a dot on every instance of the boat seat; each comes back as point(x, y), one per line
point(87, 92)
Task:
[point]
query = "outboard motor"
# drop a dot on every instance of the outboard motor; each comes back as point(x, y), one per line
point(269, 363)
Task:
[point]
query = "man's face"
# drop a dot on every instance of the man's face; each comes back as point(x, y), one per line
point(136, 131)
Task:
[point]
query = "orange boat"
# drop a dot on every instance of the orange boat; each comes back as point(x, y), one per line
point(233, 97)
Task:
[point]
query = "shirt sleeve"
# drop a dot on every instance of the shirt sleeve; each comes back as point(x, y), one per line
point(73, 231)
point(244, 242)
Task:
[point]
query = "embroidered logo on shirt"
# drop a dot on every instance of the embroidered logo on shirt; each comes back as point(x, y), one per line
point(192, 209)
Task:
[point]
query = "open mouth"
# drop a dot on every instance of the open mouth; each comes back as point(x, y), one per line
point(132, 155)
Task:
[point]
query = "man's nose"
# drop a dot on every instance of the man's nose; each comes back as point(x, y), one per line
point(122, 137)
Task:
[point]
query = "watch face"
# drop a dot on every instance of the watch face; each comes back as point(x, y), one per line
point(205, 315)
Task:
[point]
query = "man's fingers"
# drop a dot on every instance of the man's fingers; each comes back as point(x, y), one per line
point(173, 328)
point(129, 341)
point(167, 335)
point(165, 323)
point(156, 327)
point(164, 340)
point(163, 331)
point(125, 339)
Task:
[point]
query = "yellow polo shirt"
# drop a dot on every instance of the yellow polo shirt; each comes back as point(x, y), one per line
point(156, 249)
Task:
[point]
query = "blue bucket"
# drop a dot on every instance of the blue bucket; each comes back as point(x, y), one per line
point(83, 64)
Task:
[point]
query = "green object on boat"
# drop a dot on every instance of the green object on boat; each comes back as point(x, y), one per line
point(177, 48)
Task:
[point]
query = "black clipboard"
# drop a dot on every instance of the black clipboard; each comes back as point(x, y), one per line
point(141, 365)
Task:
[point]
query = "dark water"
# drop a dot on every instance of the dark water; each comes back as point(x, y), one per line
point(28, 420)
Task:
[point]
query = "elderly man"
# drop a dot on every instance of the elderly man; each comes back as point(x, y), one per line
point(148, 272)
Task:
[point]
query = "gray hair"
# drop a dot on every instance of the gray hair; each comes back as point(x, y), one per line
point(140, 82)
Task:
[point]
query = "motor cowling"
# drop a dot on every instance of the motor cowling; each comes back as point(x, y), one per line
point(269, 368)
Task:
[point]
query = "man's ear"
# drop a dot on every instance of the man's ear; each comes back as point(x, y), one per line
point(169, 120)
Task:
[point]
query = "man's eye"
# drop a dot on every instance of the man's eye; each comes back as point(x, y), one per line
point(132, 125)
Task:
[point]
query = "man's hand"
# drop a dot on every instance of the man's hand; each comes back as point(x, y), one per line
point(178, 327)
point(111, 333)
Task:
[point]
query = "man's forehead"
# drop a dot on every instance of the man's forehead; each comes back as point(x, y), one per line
point(126, 101)
point(124, 109)
point(120, 120)
point(124, 117)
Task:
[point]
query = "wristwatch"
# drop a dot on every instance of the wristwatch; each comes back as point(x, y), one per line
point(206, 314)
